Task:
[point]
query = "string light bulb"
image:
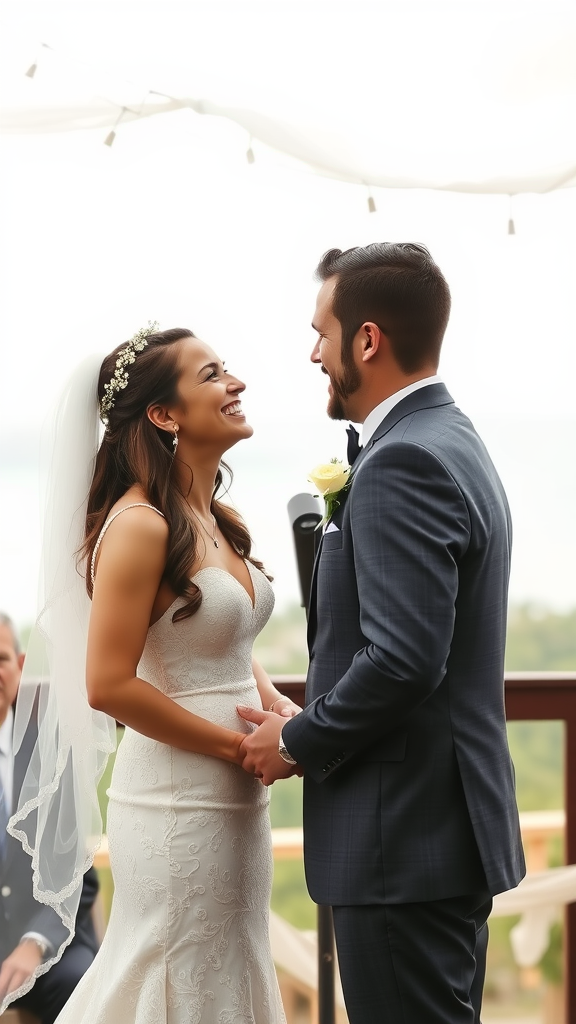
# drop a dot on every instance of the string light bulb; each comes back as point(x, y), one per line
point(250, 152)
point(511, 225)
point(34, 67)
point(371, 204)
point(108, 141)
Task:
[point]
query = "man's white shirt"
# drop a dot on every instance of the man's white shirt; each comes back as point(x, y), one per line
point(6, 759)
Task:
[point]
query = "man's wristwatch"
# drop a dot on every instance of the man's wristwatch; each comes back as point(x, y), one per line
point(284, 753)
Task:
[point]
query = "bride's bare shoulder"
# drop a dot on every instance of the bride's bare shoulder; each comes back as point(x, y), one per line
point(134, 523)
point(136, 505)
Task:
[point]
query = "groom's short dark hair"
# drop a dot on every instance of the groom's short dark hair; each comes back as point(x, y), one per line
point(399, 287)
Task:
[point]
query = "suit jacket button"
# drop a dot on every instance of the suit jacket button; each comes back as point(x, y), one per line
point(6, 890)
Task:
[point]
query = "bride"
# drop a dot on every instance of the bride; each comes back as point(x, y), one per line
point(176, 602)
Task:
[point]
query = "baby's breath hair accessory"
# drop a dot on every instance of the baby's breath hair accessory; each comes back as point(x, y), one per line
point(126, 356)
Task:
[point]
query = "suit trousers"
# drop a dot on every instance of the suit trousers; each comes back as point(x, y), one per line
point(414, 963)
point(52, 991)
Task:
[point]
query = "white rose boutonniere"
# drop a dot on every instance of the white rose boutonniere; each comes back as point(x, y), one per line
point(332, 480)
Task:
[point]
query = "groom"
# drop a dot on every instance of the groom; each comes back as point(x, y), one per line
point(410, 819)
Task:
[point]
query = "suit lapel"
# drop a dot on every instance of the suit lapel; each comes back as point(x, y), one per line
point(311, 629)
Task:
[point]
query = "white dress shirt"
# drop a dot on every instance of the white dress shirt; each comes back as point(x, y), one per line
point(6, 759)
point(374, 418)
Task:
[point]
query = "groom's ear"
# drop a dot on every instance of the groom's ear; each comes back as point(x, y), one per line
point(370, 340)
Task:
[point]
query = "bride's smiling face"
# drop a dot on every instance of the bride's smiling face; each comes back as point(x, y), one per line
point(209, 410)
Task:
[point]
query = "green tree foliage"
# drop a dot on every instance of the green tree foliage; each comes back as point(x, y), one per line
point(540, 640)
point(286, 803)
point(290, 896)
point(281, 646)
point(537, 750)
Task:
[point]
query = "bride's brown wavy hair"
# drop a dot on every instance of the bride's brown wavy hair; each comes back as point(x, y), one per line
point(134, 451)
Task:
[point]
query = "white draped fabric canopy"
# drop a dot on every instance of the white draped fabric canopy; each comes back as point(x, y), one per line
point(466, 96)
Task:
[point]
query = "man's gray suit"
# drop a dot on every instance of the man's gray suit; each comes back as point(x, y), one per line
point(409, 786)
point(20, 913)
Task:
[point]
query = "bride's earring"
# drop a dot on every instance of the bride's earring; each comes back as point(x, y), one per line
point(175, 428)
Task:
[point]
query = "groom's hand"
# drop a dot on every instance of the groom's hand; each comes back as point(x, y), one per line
point(260, 748)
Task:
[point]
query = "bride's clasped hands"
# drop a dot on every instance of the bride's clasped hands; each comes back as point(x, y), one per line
point(262, 751)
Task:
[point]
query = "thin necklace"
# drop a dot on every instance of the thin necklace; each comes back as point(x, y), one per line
point(207, 532)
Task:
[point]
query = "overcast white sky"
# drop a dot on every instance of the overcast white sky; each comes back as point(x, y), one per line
point(172, 224)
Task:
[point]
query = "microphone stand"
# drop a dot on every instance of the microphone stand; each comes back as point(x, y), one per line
point(305, 517)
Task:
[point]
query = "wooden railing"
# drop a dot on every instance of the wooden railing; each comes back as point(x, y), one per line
point(530, 696)
point(549, 696)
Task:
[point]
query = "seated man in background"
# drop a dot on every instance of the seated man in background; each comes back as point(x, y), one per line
point(30, 931)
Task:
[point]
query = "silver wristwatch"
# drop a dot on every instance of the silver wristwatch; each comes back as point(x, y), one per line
point(284, 753)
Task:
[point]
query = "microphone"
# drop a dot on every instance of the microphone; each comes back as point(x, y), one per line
point(305, 515)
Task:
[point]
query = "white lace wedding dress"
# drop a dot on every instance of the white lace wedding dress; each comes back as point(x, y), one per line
point(190, 848)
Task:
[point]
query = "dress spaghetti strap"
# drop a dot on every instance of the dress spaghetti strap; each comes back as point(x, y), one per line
point(135, 504)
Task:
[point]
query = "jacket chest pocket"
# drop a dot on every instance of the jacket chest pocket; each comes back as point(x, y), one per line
point(331, 541)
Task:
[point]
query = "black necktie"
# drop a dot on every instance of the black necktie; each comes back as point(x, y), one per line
point(354, 446)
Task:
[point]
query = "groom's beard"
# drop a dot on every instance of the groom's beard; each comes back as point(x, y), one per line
point(342, 388)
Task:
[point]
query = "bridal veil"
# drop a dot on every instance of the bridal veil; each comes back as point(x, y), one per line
point(58, 819)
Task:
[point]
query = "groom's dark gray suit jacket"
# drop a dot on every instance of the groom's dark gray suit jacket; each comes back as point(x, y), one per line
point(409, 787)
